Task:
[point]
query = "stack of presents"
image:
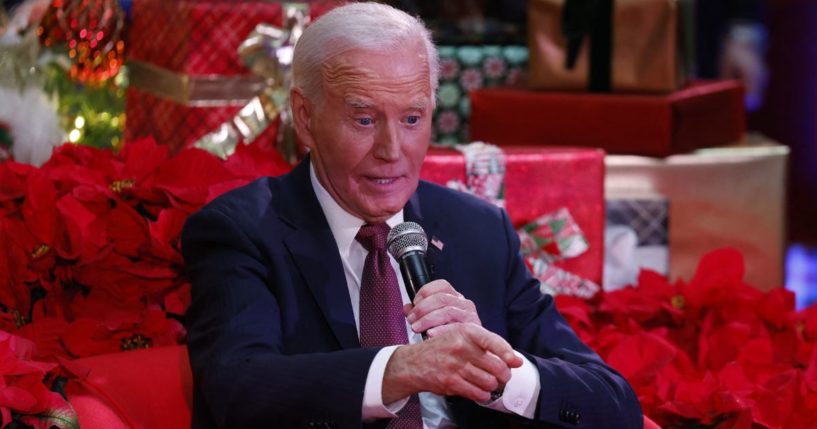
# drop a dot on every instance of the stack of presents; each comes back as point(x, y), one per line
point(607, 157)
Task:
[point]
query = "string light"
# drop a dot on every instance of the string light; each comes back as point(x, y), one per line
point(93, 32)
point(74, 136)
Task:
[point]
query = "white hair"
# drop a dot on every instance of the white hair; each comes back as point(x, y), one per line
point(369, 26)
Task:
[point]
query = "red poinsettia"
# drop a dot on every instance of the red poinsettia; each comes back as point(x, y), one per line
point(93, 233)
point(91, 264)
point(24, 395)
point(713, 352)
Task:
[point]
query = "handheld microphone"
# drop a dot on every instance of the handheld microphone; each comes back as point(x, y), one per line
point(407, 243)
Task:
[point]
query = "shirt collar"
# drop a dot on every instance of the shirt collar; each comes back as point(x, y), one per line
point(343, 224)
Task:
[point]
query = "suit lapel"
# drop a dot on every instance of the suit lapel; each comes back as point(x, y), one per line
point(413, 212)
point(315, 253)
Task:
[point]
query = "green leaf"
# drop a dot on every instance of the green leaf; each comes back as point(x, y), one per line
point(60, 418)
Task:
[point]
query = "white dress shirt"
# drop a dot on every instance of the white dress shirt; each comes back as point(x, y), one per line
point(521, 392)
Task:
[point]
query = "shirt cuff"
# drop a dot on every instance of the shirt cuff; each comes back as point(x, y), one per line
point(521, 393)
point(373, 407)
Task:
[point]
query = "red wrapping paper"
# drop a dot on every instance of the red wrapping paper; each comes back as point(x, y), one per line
point(542, 180)
point(200, 37)
point(194, 38)
point(706, 114)
point(177, 125)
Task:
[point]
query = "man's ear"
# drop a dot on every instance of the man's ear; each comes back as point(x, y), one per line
point(302, 111)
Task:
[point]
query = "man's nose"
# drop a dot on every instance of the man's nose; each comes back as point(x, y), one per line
point(387, 144)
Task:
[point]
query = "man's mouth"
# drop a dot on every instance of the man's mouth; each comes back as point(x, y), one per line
point(384, 180)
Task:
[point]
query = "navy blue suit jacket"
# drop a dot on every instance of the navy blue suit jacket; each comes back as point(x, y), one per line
point(272, 338)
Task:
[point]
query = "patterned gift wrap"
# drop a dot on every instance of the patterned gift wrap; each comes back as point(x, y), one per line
point(647, 217)
point(555, 196)
point(187, 77)
point(464, 69)
point(636, 238)
point(720, 197)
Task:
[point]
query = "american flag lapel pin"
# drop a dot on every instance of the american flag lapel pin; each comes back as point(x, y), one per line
point(436, 242)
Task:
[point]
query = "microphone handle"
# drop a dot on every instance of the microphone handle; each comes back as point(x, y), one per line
point(415, 275)
point(414, 271)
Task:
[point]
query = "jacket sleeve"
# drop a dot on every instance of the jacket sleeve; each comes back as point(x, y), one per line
point(577, 388)
point(242, 377)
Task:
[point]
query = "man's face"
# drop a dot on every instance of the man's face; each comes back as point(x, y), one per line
point(371, 129)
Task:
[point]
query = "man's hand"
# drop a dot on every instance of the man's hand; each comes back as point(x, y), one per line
point(438, 304)
point(464, 360)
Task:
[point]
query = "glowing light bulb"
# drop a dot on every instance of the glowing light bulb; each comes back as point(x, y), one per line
point(79, 122)
point(73, 136)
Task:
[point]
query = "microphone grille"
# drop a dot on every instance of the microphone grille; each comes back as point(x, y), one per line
point(405, 237)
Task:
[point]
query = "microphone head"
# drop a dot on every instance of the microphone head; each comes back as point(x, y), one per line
point(406, 237)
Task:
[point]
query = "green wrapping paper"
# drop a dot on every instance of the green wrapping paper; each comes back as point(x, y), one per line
point(467, 68)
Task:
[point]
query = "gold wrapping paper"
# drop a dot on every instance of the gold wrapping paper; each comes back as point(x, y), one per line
point(717, 197)
point(645, 47)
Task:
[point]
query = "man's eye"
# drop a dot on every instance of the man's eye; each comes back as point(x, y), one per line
point(364, 121)
point(412, 119)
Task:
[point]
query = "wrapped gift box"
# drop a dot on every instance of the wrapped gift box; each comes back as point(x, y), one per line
point(467, 68)
point(540, 181)
point(705, 114)
point(636, 237)
point(186, 77)
point(622, 45)
point(197, 37)
point(717, 197)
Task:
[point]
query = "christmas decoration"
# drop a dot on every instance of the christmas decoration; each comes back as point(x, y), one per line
point(31, 128)
point(92, 115)
point(93, 33)
point(548, 193)
point(90, 251)
point(267, 51)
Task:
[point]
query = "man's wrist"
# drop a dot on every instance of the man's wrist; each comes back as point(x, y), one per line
point(398, 380)
point(374, 407)
point(520, 395)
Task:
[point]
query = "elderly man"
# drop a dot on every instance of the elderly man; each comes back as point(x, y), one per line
point(298, 316)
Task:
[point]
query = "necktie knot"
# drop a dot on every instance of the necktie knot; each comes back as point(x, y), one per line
point(373, 237)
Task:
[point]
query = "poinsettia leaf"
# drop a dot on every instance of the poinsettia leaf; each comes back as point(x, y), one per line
point(40, 207)
point(62, 417)
point(143, 157)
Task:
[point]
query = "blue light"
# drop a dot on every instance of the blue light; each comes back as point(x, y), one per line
point(801, 274)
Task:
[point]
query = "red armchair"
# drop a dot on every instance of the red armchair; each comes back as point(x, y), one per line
point(140, 390)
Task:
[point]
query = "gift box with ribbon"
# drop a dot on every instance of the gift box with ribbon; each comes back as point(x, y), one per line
point(604, 45)
point(554, 197)
point(705, 114)
point(464, 69)
point(729, 196)
point(636, 237)
point(212, 73)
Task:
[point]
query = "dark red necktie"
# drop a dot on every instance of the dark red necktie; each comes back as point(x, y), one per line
point(381, 310)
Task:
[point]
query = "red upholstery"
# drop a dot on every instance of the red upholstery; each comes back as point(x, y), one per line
point(141, 389)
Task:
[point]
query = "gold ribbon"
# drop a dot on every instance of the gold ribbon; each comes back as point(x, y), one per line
point(267, 51)
point(194, 91)
point(264, 96)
